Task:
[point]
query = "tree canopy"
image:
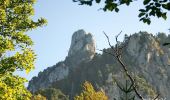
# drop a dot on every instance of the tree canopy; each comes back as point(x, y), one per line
point(38, 97)
point(90, 94)
point(156, 8)
point(16, 53)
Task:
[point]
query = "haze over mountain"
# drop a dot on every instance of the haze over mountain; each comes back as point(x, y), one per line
point(144, 55)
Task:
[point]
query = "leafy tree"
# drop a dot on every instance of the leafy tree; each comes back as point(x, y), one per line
point(52, 94)
point(158, 8)
point(90, 94)
point(16, 53)
point(38, 97)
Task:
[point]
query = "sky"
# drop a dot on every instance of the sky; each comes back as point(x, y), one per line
point(52, 42)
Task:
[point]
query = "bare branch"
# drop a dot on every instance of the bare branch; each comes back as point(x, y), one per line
point(109, 41)
point(130, 77)
point(118, 36)
point(156, 97)
point(117, 54)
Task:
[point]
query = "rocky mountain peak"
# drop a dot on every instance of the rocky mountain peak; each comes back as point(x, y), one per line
point(82, 47)
point(82, 42)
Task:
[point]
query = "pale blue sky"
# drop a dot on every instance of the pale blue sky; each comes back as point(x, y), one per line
point(65, 17)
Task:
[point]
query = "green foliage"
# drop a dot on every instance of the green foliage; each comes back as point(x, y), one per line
point(52, 94)
point(90, 94)
point(154, 8)
point(12, 88)
point(15, 21)
point(38, 97)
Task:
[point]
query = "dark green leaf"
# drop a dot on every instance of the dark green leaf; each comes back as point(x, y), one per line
point(155, 0)
point(142, 19)
point(146, 15)
point(158, 14)
point(116, 9)
point(104, 9)
point(148, 21)
point(152, 13)
point(148, 7)
point(164, 16)
point(146, 2)
point(166, 6)
point(111, 6)
point(98, 1)
point(127, 3)
point(157, 4)
point(142, 10)
point(141, 14)
point(151, 4)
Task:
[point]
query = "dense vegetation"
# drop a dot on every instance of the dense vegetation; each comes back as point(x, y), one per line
point(16, 53)
point(89, 93)
point(52, 94)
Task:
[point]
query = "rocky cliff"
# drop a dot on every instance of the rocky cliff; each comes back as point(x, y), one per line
point(82, 49)
point(145, 57)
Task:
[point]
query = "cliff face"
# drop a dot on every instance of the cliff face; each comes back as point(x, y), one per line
point(82, 49)
point(144, 56)
point(152, 60)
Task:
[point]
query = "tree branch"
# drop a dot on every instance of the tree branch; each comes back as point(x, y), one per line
point(117, 52)
point(118, 57)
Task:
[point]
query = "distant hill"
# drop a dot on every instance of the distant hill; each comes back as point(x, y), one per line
point(144, 55)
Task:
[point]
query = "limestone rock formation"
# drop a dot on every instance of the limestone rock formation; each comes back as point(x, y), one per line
point(82, 42)
point(51, 74)
point(144, 56)
point(82, 49)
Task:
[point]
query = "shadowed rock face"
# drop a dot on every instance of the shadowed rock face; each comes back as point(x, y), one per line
point(82, 49)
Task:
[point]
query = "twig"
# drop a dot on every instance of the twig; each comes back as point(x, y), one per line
point(109, 42)
point(156, 97)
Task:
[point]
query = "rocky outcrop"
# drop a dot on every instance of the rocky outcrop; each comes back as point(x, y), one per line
point(144, 56)
point(51, 74)
point(151, 60)
point(82, 49)
point(82, 42)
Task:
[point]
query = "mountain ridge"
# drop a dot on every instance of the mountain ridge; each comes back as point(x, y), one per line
point(148, 59)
